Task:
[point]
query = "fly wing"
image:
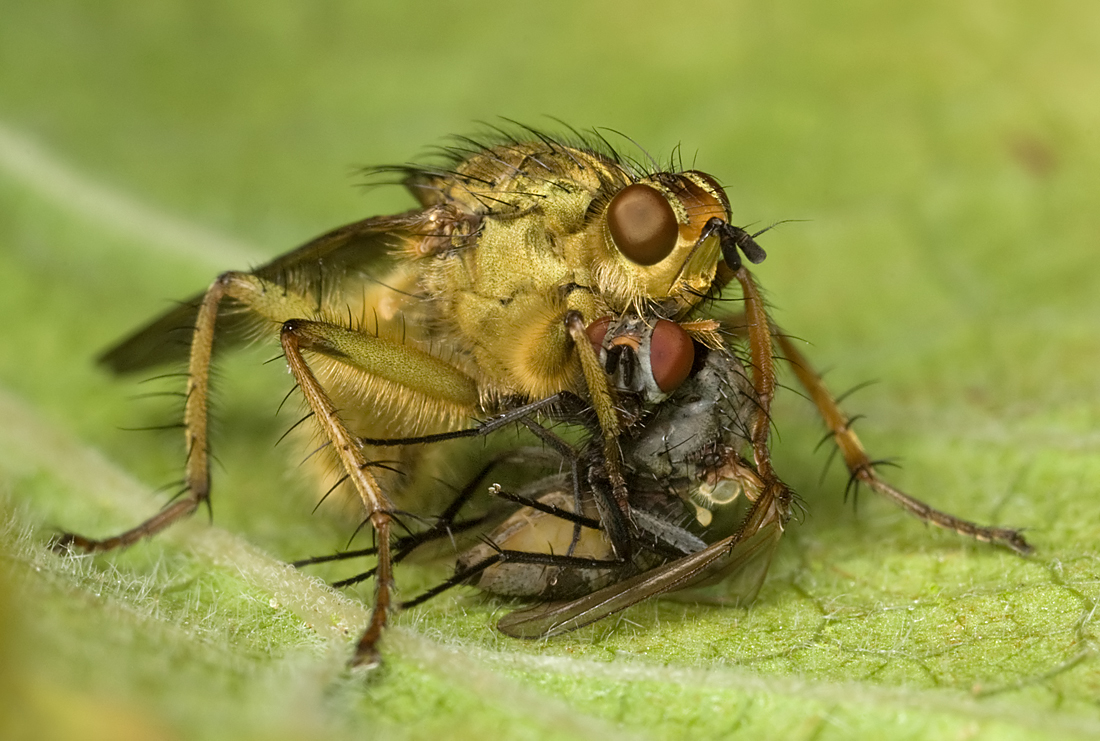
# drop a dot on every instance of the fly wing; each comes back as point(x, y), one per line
point(318, 267)
point(745, 555)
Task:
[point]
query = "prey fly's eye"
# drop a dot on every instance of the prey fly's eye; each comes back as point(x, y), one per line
point(643, 224)
point(596, 331)
point(671, 355)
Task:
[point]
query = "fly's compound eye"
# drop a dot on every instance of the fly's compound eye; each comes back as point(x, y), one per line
point(650, 360)
point(671, 355)
point(642, 224)
point(596, 331)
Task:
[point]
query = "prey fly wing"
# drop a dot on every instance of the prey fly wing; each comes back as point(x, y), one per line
point(743, 556)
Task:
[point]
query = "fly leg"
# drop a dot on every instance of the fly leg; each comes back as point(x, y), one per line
point(374, 357)
point(365, 357)
point(614, 509)
point(771, 507)
point(446, 525)
point(758, 329)
point(299, 334)
point(196, 488)
point(861, 468)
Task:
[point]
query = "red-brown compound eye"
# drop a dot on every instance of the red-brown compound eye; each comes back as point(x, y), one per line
point(671, 355)
point(596, 331)
point(642, 224)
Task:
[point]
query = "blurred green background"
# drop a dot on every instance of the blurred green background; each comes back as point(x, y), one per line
point(944, 158)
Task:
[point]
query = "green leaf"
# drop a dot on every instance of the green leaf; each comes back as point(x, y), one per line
point(945, 164)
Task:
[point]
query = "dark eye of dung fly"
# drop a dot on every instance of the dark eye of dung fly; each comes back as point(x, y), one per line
point(642, 224)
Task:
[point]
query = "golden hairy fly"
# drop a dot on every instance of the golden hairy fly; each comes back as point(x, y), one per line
point(535, 276)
